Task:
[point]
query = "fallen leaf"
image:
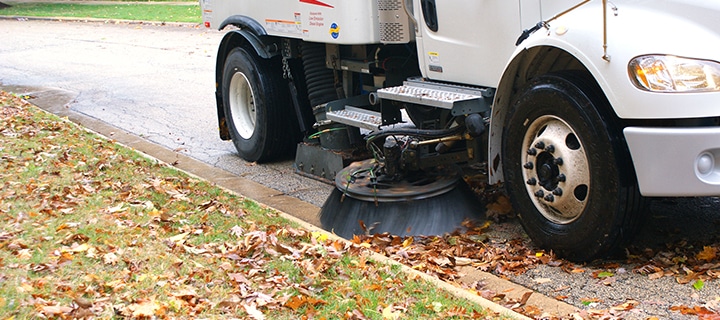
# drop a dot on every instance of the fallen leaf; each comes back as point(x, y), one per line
point(180, 238)
point(408, 241)
point(237, 231)
point(656, 275)
point(24, 254)
point(462, 261)
point(525, 298)
point(389, 313)
point(110, 258)
point(78, 248)
point(602, 274)
point(253, 312)
point(145, 309)
point(708, 253)
point(628, 305)
point(319, 236)
point(55, 310)
point(82, 302)
point(116, 208)
point(698, 285)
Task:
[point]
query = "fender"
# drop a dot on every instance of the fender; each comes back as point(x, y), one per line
point(244, 22)
point(252, 36)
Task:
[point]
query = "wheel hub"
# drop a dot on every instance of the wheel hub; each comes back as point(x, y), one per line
point(242, 105)
point(556, 169)
point(547, 171)
point(358, 180)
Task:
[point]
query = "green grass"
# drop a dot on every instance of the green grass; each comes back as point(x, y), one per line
point(121, 11)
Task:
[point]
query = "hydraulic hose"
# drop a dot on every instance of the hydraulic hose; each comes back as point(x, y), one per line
point(318, 78)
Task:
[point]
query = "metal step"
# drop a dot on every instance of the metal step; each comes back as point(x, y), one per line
point(460, 100)
point(356, 117)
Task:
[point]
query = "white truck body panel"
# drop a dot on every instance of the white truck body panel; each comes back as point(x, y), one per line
point(331, 21)
point(691, 170)
point(471, 46)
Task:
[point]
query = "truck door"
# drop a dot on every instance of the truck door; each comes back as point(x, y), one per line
point(468, 41)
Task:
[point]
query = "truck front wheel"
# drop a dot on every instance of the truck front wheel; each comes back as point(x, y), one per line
point(255, 99)
point(567, 168)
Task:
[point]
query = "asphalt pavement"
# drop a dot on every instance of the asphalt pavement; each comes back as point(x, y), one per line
point(153, 85)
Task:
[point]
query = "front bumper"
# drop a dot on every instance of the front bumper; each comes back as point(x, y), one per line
point(676, 162)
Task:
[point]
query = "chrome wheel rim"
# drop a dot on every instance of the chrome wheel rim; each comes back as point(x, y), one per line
point(242, 105)
point(555, 169)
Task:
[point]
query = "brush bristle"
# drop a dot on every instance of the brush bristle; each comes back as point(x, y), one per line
point(432, 216)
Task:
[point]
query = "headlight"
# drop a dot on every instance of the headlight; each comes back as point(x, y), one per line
point(663, 73)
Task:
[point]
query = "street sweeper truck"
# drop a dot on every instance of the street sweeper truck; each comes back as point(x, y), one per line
point(580, 110)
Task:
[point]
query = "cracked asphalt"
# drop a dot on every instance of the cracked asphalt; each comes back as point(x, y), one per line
point(157, 82)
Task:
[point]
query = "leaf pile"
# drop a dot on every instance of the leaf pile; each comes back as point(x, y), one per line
point(89, 229)
point(442, 256)
point(690, 264)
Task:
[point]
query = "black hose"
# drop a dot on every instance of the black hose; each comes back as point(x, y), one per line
point(318, 78)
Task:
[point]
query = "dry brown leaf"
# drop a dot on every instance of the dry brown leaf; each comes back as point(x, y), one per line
point(77, 248)
point(707, 254)
point(55, 310)
point(628, 305)
point(389, 312)
point(110, 258)
point(82, 302)
point(525, 298)
point(179, 238)
point(145, 309)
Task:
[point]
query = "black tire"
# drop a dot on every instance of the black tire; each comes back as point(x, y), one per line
point(258, 108)
point(586, 204)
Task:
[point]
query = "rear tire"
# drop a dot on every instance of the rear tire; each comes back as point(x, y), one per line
point(257, 106)
point(567, 168)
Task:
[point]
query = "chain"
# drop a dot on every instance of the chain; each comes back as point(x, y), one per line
point(286, 69)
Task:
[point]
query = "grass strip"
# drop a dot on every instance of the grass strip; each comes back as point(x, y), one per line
point(119, 11)
point(91, 229)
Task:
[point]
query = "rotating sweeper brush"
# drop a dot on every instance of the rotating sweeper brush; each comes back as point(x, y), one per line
point(426, 203)
point(398, 193)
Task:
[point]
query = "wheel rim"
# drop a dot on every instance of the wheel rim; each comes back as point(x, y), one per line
point(555, 169)
point(242, 105)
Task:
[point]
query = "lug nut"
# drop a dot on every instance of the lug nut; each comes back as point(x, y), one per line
point(561, 178)
point(557, 191)
point(539, 193)
point(550, 148)
point(540, 145)
point(532, 181)
point(528, 165)
point(549, 198)
point(532, 151)
point(558, 161)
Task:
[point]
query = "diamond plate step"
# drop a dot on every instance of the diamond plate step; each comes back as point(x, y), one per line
point(425, 96)
point(356, 117)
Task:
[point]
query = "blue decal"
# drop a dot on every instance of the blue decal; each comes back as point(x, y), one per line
point(334, 30)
